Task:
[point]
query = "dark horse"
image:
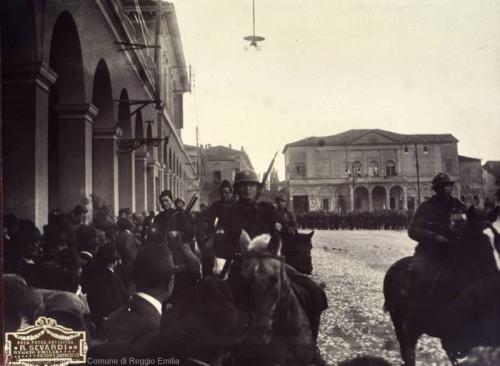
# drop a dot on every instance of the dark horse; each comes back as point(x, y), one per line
point(282, 333)
point(297, 251)
point(470, 272)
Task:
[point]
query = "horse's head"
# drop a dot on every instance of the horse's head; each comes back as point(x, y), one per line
point(481, 233)
point(264, 272)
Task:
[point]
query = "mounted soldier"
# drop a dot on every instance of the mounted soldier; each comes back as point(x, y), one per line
point(256, 218)
point(435, 227)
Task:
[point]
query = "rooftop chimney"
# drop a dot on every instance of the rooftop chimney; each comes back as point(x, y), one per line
point(230, 146)
point(242, 148)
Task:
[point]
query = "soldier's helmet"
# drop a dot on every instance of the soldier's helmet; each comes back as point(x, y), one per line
point(441, 179)
point(246, 176)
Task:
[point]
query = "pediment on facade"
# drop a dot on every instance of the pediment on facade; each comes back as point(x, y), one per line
point(373, 138)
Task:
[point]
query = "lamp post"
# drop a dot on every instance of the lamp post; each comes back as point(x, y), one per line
point(352, 172)
point(417, 166)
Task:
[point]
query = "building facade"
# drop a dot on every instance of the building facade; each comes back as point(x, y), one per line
point(79, 83)
point(491, 176)
point(367, 170)
point(471, 181)
point(215, 164)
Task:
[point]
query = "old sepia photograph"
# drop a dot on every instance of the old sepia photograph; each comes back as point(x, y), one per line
point(250, 182)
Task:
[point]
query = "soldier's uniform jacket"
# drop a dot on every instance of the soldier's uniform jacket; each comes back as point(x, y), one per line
point(255, 218)
point(175, 220)
point(287, 220)
point(219, 209)
point(432, 218)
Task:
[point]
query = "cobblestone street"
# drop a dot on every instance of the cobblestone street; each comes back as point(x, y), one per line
point(352, 264)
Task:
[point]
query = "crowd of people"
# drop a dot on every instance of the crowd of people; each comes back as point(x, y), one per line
point(116, 277)
point(106, 275)
point(80, 273)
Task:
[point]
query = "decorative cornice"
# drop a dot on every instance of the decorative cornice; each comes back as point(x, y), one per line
point(34, 73)
point(105, 132)
point(76, 111)
point(141, 155)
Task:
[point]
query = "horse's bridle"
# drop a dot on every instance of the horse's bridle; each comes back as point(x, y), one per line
point(283, 292)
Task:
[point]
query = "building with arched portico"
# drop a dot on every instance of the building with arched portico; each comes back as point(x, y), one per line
point(77, 87)
point(367, 170)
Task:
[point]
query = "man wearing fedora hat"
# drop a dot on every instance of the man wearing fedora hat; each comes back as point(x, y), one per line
point(136, 321)
point(104, 284)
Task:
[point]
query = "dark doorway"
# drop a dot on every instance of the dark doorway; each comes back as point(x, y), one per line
point(300, 204)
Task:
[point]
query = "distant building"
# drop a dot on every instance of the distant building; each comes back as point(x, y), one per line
point(491, 176)
point(471, 181)
point(215, 164)
point(367, 170)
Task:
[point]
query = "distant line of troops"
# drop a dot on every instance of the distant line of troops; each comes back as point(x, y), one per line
point(357, 220)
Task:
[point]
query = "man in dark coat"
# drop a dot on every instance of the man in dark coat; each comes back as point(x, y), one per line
point(178, 230)
point(104, 286)
point(135, 322)
point(219, 208)
point(127, 249)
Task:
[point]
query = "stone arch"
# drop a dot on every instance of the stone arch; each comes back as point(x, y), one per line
point(149, 135)
point(411, 194)
point(102, 95)
point(361, 201)
point(139, 125)
point(299, 192)
point(66, 61)
point(104, 145)
point(396, 198)
point(70, 120)
point(379, 198)
point(325, 191)
point(124, 117)
point(126, 159)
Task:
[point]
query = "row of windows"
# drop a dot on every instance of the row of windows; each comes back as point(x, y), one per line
point(356, 168)
point(217, 175)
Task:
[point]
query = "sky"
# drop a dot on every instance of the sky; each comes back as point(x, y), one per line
point(326, 66)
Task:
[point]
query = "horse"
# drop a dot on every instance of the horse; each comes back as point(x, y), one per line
point(469, 270)
point(282, 333)
point(297, 251)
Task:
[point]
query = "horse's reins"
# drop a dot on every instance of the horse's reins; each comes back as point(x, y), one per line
point(283, 293)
